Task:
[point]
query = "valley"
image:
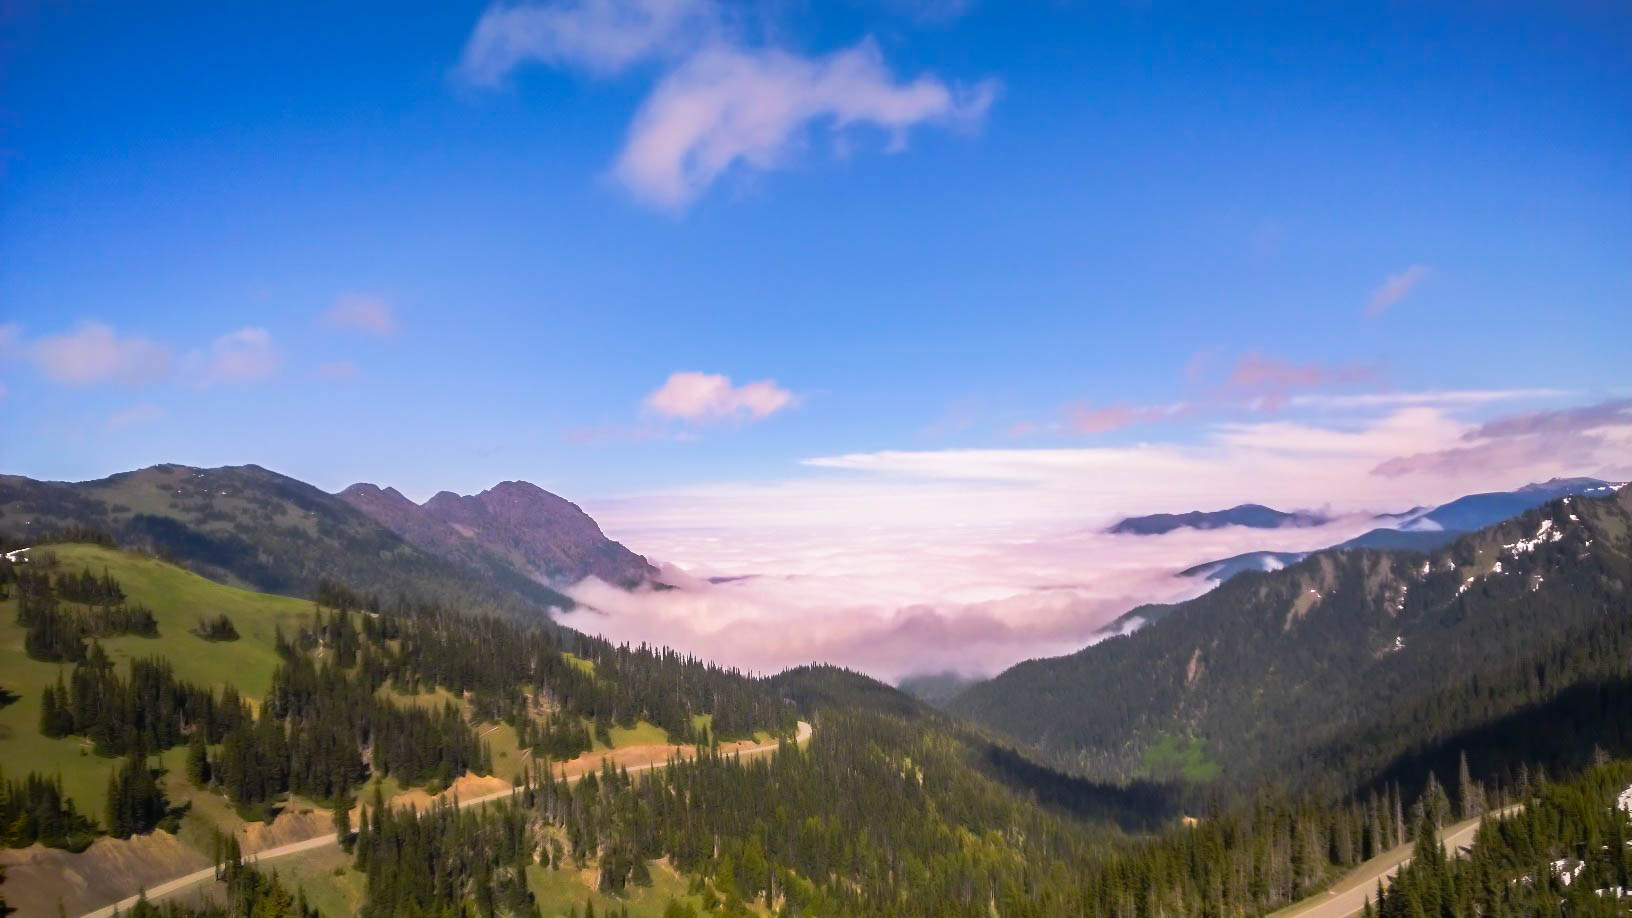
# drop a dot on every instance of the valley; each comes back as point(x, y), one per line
point(271, 748)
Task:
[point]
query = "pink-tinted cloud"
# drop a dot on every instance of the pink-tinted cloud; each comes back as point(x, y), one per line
point(1255, 372)
point(365, 312)
point(237, 358)
point(1615, 412)
point(1565, 438)
point(1394, 288)
point(973, 559)
point(711, 398)
point(1572, 450)
point(95, 353)
point(1085, 420)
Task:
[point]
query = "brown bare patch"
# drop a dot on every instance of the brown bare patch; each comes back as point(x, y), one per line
point(289, 827)
point(38, 878)
point(467, 787)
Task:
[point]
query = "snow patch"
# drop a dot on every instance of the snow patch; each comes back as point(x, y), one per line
point(12, 556)
point(1545, 534)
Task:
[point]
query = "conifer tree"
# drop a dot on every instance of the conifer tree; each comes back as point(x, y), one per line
point(1470, 795)
point(342, 819)
point(198, 758)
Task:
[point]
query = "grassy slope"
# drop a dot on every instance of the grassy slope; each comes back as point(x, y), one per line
point(177, 599)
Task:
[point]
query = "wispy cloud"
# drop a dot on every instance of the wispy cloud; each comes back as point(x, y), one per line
point(1446, 397)
point(1256, 372)
point(1267, 383)
point(365, 312)
point(144, 413)
point(236, 358)
point(600, 36)
point(728, 106)
point(1615, 412)
point(711, 398)
point(722, 102)
point(93, 352)
point(1563, 439)
point(1086, 419)
point(1394, 288)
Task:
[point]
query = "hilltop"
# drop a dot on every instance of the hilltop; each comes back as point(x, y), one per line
point(514, 524)
point(250, 527)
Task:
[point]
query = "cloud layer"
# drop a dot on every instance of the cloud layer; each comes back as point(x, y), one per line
point(974, 559)
point(722, 102)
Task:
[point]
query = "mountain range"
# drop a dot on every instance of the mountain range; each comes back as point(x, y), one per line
point(1347, 659)
point(507, 550)
point(1252, 516)
point(1233, 756)
point(1422, 528)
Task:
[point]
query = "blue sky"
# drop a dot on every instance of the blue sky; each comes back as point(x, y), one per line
point(1108, 212)
point(891, 303)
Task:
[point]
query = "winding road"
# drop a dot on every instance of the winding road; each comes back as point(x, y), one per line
point(1348, 896)
point(171, 887)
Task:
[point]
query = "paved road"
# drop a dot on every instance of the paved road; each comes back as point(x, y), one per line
point(1348, 896)
point(321, 841)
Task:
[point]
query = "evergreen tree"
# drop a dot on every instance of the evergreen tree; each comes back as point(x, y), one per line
point(1470, 796)
point(342, 819)
point(198, 759)
point(135, 803)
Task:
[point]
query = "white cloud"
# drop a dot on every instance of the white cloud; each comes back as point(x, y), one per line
point(1394, 288)
point(920, 560)
point(95, 353)
point(722, 102)
point(365, 312)
point(601, 36)
point(729, 106)
point(710, 398)
point(143, 413)
point(237, 358)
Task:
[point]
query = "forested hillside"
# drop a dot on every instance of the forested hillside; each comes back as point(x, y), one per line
point(1308, 712)
point(1568, 851)
point(140, 698)
point(1348, 660)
